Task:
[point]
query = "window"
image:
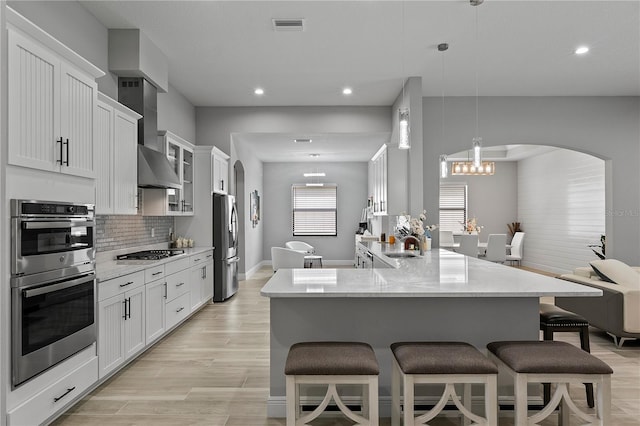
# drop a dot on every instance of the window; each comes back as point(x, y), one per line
point(314, 210)
point(453, 207)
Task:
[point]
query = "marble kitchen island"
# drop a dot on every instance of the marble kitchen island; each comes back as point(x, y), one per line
point(441, 296)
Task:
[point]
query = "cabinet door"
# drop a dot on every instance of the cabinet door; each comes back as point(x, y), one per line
point(134, 323)
point(220, 174)
point(187, 181)
point(155, 298)
point(104, 158)
point(207, 285)
point(197, 273)
point(33, 105)
point(110, 334)
point(125, 167)
point(77, 110)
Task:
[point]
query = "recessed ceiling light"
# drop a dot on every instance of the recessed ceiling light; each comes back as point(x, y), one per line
point(303, 140)
point(314, 184)
point(315, 174)
point(581, 50)
point(259, 91)
point(347, 91)
point(314, 155)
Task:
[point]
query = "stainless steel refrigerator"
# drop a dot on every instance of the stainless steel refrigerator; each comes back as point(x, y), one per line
point(225, 241)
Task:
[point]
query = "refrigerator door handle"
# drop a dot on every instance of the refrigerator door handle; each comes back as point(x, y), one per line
point(232, 260)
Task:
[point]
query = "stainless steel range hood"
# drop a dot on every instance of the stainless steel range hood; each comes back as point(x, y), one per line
point(154, 169)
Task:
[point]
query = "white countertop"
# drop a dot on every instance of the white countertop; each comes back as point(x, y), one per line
point(107, 267)
point(439, 273)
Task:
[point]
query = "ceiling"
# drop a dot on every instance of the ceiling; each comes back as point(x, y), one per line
point(220, 51)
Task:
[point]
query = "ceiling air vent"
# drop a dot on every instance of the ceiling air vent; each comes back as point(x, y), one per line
point(288, 24)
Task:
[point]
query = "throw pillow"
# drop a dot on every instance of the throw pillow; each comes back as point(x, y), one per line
point(616, 272)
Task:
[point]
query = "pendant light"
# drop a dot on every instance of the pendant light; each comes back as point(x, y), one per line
point(444, 169)
point(477, 140)
point(404, 131)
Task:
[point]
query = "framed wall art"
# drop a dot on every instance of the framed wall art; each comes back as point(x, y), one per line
point(254, 208)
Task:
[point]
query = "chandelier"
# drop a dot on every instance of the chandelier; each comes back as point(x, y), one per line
point(486, 168)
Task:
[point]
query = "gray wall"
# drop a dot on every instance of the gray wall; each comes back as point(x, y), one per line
point(606, 127)
point(493, 200)
point(74, 26)
point(351, 179)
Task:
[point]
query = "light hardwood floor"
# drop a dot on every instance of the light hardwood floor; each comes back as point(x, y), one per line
point(214, 370)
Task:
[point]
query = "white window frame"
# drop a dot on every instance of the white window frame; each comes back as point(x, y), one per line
point(452, 199)
point(323, 211)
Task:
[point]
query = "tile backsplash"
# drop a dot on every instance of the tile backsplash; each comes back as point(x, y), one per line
point(114, 232)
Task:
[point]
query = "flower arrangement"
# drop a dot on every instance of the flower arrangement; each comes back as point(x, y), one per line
point(471, 225)
point(417, 228)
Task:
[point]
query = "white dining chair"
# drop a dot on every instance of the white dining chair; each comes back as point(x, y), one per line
point(517, 245)
point(446, 239)
point(468, 245)
point(282, 257)
point(300, 246)
point(496, 248)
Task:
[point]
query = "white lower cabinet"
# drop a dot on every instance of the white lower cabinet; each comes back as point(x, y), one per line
point(201, 279)
point(177, 310)
point(155, 295)
point(52, 399)
point(121, 320)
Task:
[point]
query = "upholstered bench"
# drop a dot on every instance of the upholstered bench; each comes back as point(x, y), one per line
point(445, 363)
point(331, 364)
point(554, 319)
point(558, 363)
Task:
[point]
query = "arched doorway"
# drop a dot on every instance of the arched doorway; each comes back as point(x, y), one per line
point(239, 192)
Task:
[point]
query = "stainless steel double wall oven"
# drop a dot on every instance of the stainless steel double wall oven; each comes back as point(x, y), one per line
point(53, 286)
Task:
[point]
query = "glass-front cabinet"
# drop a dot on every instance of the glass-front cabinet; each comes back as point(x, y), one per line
point(173, 201)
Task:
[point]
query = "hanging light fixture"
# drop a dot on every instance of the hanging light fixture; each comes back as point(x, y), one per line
point(444, 169)
point(477, 140)
point(404, 131)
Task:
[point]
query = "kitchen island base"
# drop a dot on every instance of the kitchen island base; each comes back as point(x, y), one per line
point(385, 320)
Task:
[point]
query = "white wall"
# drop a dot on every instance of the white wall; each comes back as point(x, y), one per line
point(4, 229)
point(176, 114)
point(351, 179)
point(253, 179)
point(561, 204)
point(606, 127)
point(491, 199)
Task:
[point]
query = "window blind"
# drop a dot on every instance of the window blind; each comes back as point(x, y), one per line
point(314, 210)
point(453, 207)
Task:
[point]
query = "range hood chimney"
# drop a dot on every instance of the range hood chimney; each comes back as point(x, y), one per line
point(154, 169)
point(142, 72)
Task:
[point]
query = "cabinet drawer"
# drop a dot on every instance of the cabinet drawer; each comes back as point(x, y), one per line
point(178, 309)
point(199, 258)
point(119, 285)
point(55, 397)
point(153, 273)
point(177, 284)
point(176, 266)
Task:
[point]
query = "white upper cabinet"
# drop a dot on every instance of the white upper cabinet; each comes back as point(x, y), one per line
point(219, 171)
point(388, 182)
point(116, 134)
point(173, 201)
point(51, 102)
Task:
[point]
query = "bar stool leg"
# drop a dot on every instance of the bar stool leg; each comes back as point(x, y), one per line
point(547, 334)
point(293, 401)
point(491, 400)
point(584, 344)
point(466, 402)
point(520, 400)
point(395, 395)
point(408, 400)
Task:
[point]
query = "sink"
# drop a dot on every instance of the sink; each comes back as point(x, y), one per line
point(400, 254)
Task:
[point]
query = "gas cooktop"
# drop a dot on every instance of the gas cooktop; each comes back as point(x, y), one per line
point(149, 255)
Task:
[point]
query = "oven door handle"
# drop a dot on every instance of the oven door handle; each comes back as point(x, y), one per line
point(60, 224)
point(55, 287)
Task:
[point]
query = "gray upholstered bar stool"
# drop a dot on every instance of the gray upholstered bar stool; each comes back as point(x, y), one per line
point(554, 320)
point(331, 364)
point(447, 363)
point(559, 363)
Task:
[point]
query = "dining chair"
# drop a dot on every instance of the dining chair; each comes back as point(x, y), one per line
point(516, 248)
point(446, 239)
point(468, 245)
point(496, 248)
point(300, 246)
point(286, 258)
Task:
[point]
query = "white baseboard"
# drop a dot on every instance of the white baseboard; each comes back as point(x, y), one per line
point(248, 274)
